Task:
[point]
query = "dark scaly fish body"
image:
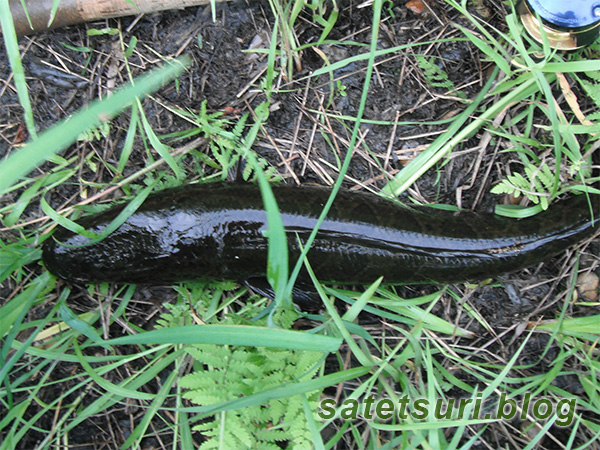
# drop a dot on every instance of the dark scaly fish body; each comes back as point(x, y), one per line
point(217, 231)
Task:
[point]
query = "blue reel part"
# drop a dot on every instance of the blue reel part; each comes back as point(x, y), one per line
point(568, 25)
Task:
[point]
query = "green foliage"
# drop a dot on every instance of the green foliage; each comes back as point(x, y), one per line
point(196, 301)
point(269, 171)
point(435, 76)
point(96, 133)
point(592, 88)
point(341, 88)
point(229, 373)
point(224, 142)
point(324, 14)
point(177, 315)
point(536, 184)
point(224, 373)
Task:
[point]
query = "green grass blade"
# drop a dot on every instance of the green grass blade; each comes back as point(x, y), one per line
point(586, 327)
point(108, 386)
point(159, 364)
point(77, 323)
point(160, 148)
point(277, 258)
point(233, 335)
point(283, 391)
point(18, 308)
point(439, 148)
point(16, 255)
point(127, 211)
point(14, 57)
point(377, 5)
point(24, 160)
point(140, 430)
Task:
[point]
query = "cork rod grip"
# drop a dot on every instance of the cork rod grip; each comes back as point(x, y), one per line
point(70, 12)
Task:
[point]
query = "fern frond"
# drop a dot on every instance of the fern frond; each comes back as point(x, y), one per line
point(247, 371)
point(434, 75)
point(210, 356)
point(537, 184)
point(225, 373)
point(100, 132)
point(592, 89)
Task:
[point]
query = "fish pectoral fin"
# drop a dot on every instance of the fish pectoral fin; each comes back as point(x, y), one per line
point(305, 297)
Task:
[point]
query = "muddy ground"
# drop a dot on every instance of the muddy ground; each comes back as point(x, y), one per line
point(296, 140)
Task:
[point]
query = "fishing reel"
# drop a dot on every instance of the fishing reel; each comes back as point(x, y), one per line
point(568, 25)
